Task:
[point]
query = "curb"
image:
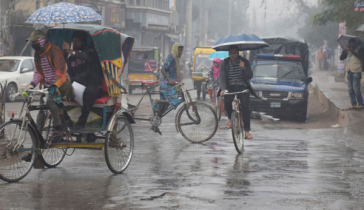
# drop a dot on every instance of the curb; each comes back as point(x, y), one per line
point(338, 115)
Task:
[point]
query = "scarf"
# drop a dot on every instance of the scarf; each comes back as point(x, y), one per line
point(176, 57)
point(216, 69)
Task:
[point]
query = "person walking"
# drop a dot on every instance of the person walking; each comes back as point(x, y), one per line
point(320, 58)
point(354, 54)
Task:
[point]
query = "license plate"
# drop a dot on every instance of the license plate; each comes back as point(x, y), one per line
point(275, 104)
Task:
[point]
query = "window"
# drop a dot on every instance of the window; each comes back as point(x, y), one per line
point(8, 65)
point(131, 2)
point(279, 70)
point(27, 66)
point(138, 2)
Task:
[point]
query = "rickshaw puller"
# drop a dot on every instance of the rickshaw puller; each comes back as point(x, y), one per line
point(84, 68)
point(50, 69)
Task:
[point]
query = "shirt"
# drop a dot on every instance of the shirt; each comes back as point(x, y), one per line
point(235, 74)
point(171, 69)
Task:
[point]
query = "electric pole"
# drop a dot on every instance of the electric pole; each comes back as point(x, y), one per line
point(188, 27)
point(229, 17)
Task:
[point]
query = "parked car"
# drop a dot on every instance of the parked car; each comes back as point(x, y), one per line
point(282, 85)
point(16, 70)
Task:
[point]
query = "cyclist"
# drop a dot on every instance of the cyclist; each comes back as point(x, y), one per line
point(213, 79)
point(170, 77)
point(235, 72)
point(50, 71)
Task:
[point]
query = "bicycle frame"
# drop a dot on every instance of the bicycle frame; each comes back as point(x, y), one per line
point(168, 110)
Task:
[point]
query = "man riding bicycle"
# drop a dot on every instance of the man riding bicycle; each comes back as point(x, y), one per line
point(51, 72)
point(235, 72)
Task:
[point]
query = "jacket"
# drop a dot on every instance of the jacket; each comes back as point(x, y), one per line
point(358, 53)
point(84, 67)
point(224, 68)
point(57, 62)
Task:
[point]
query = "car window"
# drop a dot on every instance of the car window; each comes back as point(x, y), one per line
point(202, 61)
point(8, 65)
point(27, 64)
point(278, 70)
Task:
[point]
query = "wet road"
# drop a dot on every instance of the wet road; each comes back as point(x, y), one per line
point(286, 166)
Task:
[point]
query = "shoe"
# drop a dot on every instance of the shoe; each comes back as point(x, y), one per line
point(91, 138)
point(27, 158)
point(228, 124)
point(352, 107)
point(359, 107)
point(77, 128)
point(248, 135)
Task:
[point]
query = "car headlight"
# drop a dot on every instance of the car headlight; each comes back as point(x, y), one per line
point(297, 95)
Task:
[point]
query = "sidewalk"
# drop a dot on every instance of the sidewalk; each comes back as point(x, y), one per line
point(335, 98)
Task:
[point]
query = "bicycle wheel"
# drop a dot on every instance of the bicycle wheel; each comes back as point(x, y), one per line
point(237, 132)
point(198, 123)
point(16, 163)
point(119, 146)
point(53, 156)
point(217, 104)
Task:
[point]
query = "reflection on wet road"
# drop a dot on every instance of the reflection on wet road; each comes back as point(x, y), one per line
point(280, 169)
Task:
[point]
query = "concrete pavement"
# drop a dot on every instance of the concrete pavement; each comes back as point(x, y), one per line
point(334, 96)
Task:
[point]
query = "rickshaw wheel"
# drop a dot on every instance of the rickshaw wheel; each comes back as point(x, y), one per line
point(119, 146)
point(53, 156)
point(201, 131)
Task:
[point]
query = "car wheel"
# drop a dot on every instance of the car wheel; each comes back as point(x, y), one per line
point(10, 90)
point(302, 116)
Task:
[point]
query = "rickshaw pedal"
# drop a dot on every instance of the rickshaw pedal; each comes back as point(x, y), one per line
point(39, 162)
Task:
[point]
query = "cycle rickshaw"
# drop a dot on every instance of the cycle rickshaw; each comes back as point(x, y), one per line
point(25, 143)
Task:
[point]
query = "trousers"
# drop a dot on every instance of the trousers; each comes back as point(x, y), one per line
point(244, 104)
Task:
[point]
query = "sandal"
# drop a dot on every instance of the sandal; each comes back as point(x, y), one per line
point(248, 135)
point(228, 125)
point(352, 107)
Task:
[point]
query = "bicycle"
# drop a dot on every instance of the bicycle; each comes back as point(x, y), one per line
point(22, 143)
point(237, 128)
point(196, 121)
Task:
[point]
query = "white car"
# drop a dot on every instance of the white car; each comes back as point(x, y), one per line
point(15, 70)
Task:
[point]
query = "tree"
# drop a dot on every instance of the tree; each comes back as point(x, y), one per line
point(339, 11)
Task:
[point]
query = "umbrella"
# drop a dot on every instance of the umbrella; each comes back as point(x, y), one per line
point(244, 42)
point(344, 40)
point(219, 54)
point(64, 13)
point(360, 28)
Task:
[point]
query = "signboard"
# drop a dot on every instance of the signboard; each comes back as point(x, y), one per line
point(113, 17)
point(155, 19)
point(359, 6)
point(341, 64)
point(150, 65)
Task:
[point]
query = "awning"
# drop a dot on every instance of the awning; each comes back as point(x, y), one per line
point(172, 36)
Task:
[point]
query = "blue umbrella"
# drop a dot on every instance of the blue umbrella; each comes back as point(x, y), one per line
point(219, 54)
point(244, 42)
point(64, 13)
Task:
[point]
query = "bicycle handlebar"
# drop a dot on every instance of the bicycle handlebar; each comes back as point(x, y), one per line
point(236, 93)
point(44, 91)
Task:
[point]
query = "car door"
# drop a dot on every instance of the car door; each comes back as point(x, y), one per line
point(26, 71)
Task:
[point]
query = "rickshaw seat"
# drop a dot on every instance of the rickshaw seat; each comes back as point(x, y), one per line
point(105, 100)
point(149, 83)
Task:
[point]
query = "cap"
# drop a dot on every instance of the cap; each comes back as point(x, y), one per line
point(37, 34)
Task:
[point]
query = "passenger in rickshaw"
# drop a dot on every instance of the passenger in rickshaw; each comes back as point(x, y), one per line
point(170, 77)
point(51, 72)
point(84, 68)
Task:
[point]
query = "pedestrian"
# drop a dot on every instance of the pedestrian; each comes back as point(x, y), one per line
point(354, 55)
point(320, 58)
point(235, 71)
point(213, 79)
